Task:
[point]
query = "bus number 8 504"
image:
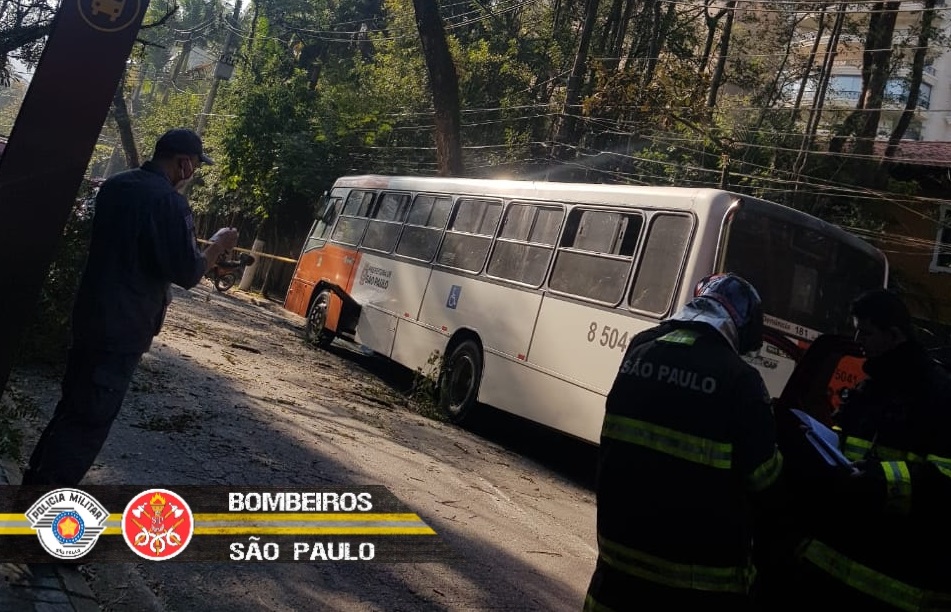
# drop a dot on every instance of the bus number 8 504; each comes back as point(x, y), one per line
point(610, 337)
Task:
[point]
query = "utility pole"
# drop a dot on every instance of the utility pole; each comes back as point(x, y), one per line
point(223, 69)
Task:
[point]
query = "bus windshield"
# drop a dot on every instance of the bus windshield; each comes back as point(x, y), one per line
point(807, 273)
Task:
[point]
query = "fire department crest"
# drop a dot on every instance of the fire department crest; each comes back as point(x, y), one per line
point(157, 524)
point(68, 522)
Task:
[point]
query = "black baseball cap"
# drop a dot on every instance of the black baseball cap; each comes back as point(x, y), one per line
point(179, 141)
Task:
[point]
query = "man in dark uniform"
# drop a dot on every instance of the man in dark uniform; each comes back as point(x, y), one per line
point(883, 542)
point(687, 452)
point(143, 239)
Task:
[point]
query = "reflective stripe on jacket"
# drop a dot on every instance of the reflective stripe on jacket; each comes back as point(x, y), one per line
point(893, 540)
point(688, 437)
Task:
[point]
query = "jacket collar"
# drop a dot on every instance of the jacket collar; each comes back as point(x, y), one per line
point(907, 360)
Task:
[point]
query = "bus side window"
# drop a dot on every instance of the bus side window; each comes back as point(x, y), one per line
point(424, 226)
point(470, 234)
point(384, 228)
point(595, 255)
point(526, 243)
point(658, 271)
point(325, 221)
point(353, 218)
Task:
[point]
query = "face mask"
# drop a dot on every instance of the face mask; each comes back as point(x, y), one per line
point(187, 170)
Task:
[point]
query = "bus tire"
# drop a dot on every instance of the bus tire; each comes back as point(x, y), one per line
point(459, 381)
point(315, 332)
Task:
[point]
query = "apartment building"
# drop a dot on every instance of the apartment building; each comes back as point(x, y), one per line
point(932, 121)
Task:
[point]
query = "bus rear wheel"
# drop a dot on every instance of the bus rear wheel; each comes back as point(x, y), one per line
point(316, 333)
point(459, 381)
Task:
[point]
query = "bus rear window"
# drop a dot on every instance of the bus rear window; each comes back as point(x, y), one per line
point(803, 275)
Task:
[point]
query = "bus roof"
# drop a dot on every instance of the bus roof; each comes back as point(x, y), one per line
point(717, 201)
point(589, 193)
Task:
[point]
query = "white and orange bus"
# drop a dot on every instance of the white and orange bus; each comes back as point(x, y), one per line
point(530, 291)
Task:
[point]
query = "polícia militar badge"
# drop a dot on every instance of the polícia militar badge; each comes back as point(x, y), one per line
point(68, 522)
point(157, 524)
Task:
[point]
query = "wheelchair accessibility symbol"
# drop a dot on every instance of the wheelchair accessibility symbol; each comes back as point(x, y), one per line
point(109, 15)
point(453, 299)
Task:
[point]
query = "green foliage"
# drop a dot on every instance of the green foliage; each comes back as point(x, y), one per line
point(424, 392)
point(328, 88)
point(179, 110)
point(273, 151)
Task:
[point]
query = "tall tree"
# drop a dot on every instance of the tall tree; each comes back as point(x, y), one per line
point(863, 121)
point(444, 84)
point(568, 126)
point(716, 80)
point(925, 35)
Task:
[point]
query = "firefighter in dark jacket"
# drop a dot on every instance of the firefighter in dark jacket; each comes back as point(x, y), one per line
point(885, 543)
point(688, 451)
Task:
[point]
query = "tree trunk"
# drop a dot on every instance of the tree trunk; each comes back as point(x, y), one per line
point(659, 33)
point(181, 63)
point(640, 39)
point(815, 112)
point(917, 69)
point(863, 121)
point(567, 128)
point(610, 30)
point(810, 62)
point(617, 43)
point(717, 79)
point(120, 113)
point(711, 21)
point(876, 65)
point(445, 87)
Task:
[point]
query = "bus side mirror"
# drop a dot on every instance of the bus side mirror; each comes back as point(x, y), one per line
point(320, 208)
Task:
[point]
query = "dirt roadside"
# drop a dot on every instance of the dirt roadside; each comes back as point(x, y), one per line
point(230, 394)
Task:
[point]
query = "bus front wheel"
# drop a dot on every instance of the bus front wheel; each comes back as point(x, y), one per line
point(316, 332)
point(459, 381)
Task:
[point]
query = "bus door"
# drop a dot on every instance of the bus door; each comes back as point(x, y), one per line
point(336, 262)
point(380, 282)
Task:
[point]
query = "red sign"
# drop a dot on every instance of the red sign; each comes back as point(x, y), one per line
point(157, 524)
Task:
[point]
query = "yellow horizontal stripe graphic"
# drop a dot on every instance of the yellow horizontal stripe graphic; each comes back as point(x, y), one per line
point(316, 517)
point(273, 523)
point(314, 531)
point(20, 531)
point(250, 530)
point(262, 516)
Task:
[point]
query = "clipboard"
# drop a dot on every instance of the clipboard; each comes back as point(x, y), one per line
point(823, 439)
